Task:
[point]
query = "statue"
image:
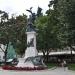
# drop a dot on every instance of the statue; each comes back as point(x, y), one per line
point(31, 43)
point(31, 21)
point(32, 16)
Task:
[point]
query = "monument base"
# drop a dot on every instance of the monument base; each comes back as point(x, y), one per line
point(23, 63)
point(31, 63)
point(36, 61)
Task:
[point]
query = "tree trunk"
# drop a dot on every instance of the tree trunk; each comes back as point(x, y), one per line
point(71, 55)
point(6, 54)
point(72, 49)
point(47, 56)
point(44, 56)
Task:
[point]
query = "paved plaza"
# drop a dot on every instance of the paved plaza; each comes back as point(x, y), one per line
point(56, 71)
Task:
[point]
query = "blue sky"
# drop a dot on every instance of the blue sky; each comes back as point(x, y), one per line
point(19, 6)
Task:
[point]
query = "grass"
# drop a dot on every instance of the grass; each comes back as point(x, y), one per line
point(71, 67)
point(50, 65)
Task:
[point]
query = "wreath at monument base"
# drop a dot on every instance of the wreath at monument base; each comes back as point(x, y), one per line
point(23, 68)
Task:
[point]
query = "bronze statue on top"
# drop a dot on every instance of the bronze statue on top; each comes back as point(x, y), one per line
point(31, 21)
point(32, 16)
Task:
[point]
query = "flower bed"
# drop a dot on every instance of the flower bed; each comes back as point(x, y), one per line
point(23, 68)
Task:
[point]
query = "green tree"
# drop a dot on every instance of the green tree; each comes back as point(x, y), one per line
point(66, 17)
point(47, 26)
point(19, 27)
point(13, 30)
point(52, 30)
point(40, 25)
point(3, 31)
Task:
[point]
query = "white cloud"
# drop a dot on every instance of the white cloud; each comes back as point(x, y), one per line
point(20, 6)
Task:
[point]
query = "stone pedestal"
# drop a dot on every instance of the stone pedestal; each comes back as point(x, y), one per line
point(31, 50)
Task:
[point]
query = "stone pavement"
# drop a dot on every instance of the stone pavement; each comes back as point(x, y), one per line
point(55, 71)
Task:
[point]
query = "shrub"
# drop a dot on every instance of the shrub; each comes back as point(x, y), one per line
point(23, 68)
